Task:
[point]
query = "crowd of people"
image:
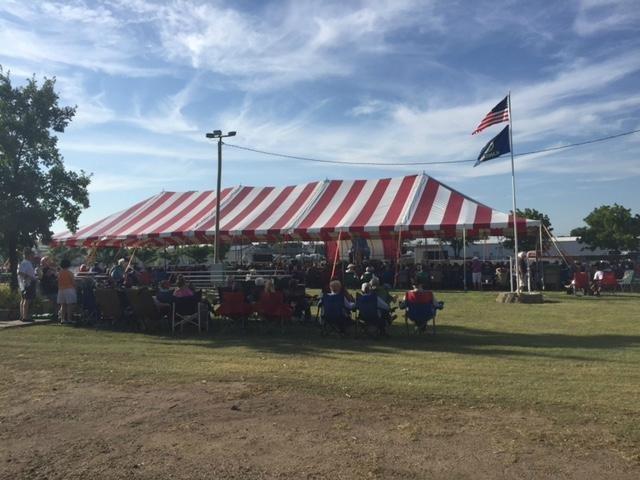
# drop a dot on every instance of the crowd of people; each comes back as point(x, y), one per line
point(58, 283)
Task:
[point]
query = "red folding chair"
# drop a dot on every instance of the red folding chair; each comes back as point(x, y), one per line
point(234, 306)
point(609, 281)
point(580, 283)
point(272, 307)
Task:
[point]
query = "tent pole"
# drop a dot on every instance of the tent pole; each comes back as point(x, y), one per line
point(541, 261)
point(398, 252)
point(131, 258)
point(511, 273)
point(464, 258)
point(335, 256)
point(164, 242)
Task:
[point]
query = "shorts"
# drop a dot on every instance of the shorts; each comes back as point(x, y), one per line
point(29, 293)
point(67, 296)
point(477, 277)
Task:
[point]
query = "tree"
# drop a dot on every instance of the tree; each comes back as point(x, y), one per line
point(198, 253)
point(530, 242)
point(457, 245)
point(610, 228)
point(35, 187)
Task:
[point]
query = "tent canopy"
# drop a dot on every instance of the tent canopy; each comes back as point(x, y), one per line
point(416, 205)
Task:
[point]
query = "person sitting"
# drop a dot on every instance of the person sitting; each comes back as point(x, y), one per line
point(386, 297)
point(117, 272)
point(368, 274)
point(271, 303)
point(351, 278)
point(420, 305)
point(182, 290)
point(373, 309)
point(335, 307)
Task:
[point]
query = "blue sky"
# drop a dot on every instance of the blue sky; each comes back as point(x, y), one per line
point(380, 81)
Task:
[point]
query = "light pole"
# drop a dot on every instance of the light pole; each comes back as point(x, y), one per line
point(218, 134)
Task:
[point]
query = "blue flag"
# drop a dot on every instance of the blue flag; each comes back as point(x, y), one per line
point(498, 145)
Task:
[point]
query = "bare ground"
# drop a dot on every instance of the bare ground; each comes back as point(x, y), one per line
point(69, 429)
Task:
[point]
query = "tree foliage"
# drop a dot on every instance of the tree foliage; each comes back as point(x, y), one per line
point(610, 228)
point(530, 241)
point(198, 253)
point(35, 187)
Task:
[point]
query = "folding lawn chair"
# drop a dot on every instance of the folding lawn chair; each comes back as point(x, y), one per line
point(626, 280)
point(609, 282)
point(421, 309)
point(187, 311)
point(271, 307)
point(109, 305)
point(368, 316)
point(580, 283)
point(234, 306)
point(334, 316)
point(144, 309)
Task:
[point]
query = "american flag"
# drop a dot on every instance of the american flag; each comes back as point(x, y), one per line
point(498, 114)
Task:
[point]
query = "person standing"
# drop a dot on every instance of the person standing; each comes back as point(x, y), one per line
point(27, 284)
point(49, 284)
point(66, 292)
point(476, 273)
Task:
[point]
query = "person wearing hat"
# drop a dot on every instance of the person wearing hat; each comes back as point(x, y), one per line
point(351, 278)
point(368, 274)
point(476, 273)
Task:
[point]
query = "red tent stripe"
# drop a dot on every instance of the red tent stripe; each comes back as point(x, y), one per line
point(371, 205)
point(115, 217)
point(483, 217)
point(163, 214)
point(321, 205)
point(207, 210)
point(124, 227)
point(225, 209)
point(399, 202)
point(295, 207)
point(150, 207)
point(424, 204)
point(178, 221)
point(267, 212)
point(452, 211)
point(262, 194)
point(145, 222)
point(345, 205)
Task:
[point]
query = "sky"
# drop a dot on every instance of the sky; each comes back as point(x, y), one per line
point(354, 81)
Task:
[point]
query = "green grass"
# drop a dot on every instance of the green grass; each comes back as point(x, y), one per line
point(573, 359)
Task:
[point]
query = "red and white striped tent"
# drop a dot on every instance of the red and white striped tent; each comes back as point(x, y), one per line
point(414, 206)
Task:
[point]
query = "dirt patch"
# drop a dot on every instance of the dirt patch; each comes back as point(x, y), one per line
point(67, 429)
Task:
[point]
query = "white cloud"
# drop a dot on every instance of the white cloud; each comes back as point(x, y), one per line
point(72, 34)
point(597, 16)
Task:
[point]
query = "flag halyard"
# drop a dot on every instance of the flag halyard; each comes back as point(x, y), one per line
point(498, 114)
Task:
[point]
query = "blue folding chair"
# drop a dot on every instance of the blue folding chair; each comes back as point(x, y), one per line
point(368, 314)
point(421, 314)
point(333, 315)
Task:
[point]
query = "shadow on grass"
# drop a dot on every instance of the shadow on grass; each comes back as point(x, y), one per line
point(306, 340)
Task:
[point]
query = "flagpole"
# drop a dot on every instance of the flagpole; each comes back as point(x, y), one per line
point(513, 189)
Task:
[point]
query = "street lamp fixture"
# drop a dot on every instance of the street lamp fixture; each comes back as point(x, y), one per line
point(218, 134)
